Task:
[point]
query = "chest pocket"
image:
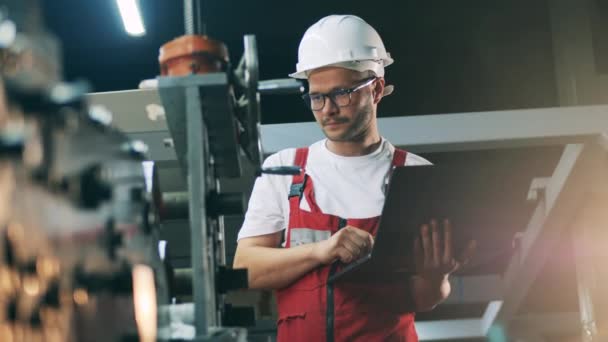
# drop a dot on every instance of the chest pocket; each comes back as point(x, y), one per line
point(302, 236)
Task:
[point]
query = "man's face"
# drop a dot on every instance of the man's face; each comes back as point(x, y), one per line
point(349, 123)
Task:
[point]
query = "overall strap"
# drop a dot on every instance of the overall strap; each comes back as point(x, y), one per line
point(296, 190)
point(399, 157)
point(297, 183)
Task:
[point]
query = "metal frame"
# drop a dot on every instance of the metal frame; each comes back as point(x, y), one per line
point(465, 131)
point(459, 328)
point(203, 280)
point(196, 104)
point(563, 198)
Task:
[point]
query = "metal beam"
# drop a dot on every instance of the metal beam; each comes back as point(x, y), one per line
point(131, 109)
point(571, 181)
point(458, 328)
point(465, 131)
point(428, 133)
point(449, 329)
point(203, 281)
point(524, 326)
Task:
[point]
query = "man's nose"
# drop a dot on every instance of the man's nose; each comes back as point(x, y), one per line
point(330, 108)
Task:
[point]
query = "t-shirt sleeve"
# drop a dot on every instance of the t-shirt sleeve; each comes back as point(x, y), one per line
point(268, 203)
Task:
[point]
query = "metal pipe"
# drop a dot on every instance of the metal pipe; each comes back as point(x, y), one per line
point(198, 15)
point(281, 86)
point(189, 16)
point(193, 17)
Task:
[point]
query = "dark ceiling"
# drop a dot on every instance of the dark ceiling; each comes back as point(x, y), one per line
point(451, 56)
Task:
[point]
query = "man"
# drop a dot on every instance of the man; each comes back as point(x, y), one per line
point(329, 213)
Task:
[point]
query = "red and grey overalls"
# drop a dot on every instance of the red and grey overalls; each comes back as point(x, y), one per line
point(311, 309)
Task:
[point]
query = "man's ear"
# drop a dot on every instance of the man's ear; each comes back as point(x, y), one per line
point(378, 89)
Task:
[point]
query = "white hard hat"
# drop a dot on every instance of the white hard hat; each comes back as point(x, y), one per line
point(341, 40)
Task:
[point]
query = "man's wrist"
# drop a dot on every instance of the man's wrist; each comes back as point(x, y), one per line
point(430, 290)
point(316, 252)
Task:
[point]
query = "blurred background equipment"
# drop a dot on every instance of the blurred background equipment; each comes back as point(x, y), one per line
point(78, 249)
point(81, 207)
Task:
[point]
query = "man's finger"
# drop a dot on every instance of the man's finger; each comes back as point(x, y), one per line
point(359, 232)
point(357, 240)
point(427, 245)
point(437, 246)
point(366, 246)
point(345, 256)
point(447, 242)
point(349, 227)
point(351, 247)
point(354, 233)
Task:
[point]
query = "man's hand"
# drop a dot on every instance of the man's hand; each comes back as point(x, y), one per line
point(347, 245)
point(434, 263)
point(434, 255)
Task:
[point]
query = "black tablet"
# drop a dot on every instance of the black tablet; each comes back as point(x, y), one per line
point(415, 195)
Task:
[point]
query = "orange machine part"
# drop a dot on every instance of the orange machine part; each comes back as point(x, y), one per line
point(192, 54)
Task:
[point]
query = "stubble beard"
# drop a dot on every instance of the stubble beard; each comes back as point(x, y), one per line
point(358, 129)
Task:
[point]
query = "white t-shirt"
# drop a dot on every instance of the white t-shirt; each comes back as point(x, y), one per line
point(348, 187)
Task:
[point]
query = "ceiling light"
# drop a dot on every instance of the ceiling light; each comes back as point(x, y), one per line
point(131, 17)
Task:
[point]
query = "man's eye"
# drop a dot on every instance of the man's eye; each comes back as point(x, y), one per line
point(340, 92)
point(316, 97)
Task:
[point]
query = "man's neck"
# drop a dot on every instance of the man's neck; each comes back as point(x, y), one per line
point(355, 148)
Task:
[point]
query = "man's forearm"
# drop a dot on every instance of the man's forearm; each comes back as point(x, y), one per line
point(428, 293)
point(275, 268)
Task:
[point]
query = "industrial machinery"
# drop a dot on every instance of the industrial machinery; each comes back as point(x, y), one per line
point(81, 208)
point(213, 114)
